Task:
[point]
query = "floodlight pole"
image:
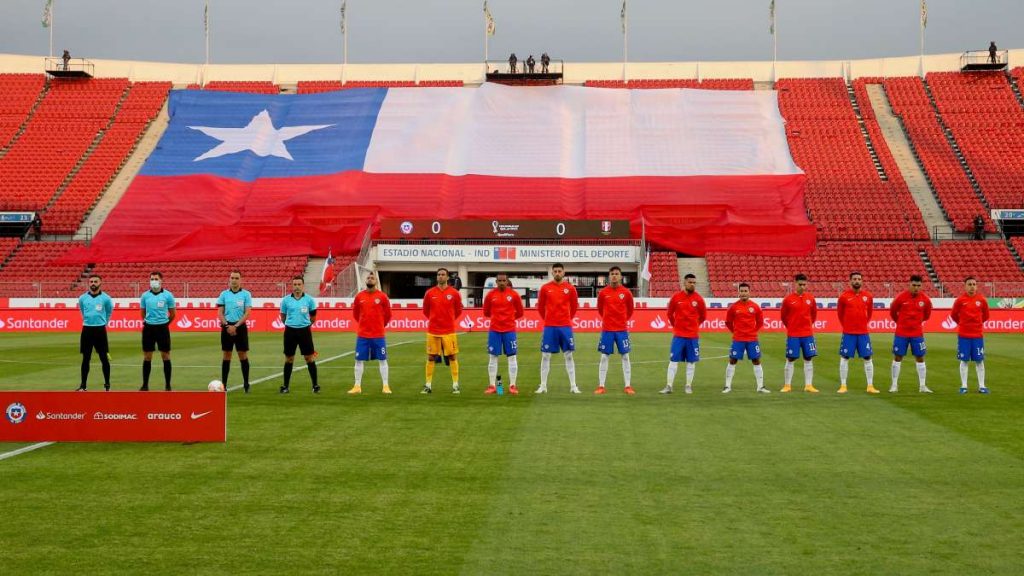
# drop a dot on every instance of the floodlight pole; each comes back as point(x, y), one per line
point(51, 30)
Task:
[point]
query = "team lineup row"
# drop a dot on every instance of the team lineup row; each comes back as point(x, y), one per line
point(557, 304)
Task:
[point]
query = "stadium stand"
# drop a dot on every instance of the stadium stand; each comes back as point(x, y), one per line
point(957, 197)
point(846, 196)
point(18, 93)
point(664, 274)
point(990, 262)
point(7, 245)
point(986, 119)
point(251, 87)
point(264, 277)
point(886, 267)
point(30, 272)
point(317, 86)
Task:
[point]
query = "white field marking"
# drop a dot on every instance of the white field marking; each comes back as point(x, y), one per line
point(30, 448)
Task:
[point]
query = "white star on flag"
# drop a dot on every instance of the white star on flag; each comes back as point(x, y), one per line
point(259, 137)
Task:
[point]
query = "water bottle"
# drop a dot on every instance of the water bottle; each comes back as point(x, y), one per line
point(501, 391)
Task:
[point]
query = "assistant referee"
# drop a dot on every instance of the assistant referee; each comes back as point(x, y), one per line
point(96, 307)
point(157, 313)
point(298, 312)
point(233, 307)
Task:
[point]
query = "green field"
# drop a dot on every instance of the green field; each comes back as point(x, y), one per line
point(556, 484)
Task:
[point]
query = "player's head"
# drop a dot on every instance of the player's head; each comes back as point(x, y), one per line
point(744, 291)
point(800, 281)
point(689, 283)
point(970, 285)
point(371, 281)
point(557, 271)
point(155, 280)
point(856, 280)
point(94, 283)
point(915, 284)
point(235, 280)
point(298, 285)
point(615, 276)
point(442, 277)
point(501, 280)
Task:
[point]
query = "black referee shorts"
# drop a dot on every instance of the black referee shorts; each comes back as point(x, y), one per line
point(240, 341)
point(94, 338)
point(156, 336)
point(298, 337)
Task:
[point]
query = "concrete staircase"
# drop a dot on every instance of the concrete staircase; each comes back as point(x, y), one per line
point(906, 160)
point(28, 118)
point(699, 268)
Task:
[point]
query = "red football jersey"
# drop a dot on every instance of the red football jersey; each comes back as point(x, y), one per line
point(557, 303)
point(372, 310)
point(799, 311)
point(854, 309)
point(503, 307)
point(970, 314)
point(744, 319)
point(442, 307)
point(910, 313)
point(615, 306)
point(685, 313)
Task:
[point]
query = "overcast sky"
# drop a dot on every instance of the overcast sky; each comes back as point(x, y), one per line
point(307, 31)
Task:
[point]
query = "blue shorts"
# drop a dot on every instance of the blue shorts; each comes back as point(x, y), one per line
point(557, 339)
point(798, 344)
point(371, 349)
point(751, 349)
point(610, 340)
point(916, 344)
point(499, 343)
point(855, 345)
point(970, 349)
point(685, 349)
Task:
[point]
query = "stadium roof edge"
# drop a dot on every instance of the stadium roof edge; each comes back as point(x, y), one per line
point(473, 73)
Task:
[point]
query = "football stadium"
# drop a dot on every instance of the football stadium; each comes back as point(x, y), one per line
point(529, 315)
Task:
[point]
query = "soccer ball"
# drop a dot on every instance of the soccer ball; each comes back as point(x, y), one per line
point(215, 386)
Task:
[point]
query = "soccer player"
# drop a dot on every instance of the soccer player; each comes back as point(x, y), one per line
point(970, 311)
point(442, 305)
point(557, 304)
point(372, 311)
point(503, 306)
point(615, 306)
point(233, 308)
point(157, 307)
point(298, 312)
point(744, 319)
point(909, 310)
point(799, 311)
point(854, 310)
point(686, 311)
point(96, 307)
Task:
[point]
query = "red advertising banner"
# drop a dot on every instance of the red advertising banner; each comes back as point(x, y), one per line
point(113, 417)
point(412, 320)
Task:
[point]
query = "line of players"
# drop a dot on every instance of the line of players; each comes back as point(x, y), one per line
point(557, 304)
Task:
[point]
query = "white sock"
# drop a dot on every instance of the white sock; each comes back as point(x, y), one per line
point(922, 372)
point(691, 367)
point(627, 370)
point(359, 372)
point(844, 370)
point(513, 369)
point(759, 376)
point(808, 373)
point(545, 368)
point(979, 369)
point(383, 367)
point(730, 370)
point(492, 369)
point(869, 372)
point(570, 369)
point(896, 372)
point(673, 367)
point(963, 374)
point(602, 370)
point(787, 373)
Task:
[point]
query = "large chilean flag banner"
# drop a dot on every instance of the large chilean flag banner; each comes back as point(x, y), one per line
point(273, 175)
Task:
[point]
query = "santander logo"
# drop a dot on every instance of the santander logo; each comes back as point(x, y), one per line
point(277, 324)
point(184, 322)
point(466, 323)
point(948, 323)
point(658, 323)
point(1, 323)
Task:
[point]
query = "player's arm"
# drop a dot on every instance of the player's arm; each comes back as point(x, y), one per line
point(927, 308)
point(814, 310)
point(871, 306)
point(759, 316)
point(518, 302)
point(840, 311)
point(702, 310)
point(108, 307)
point(730, 316)
point(171, 311)
point(574, 301)
point(426, 304)
point(142, 307)
point(670, 311)
point(629, 305)
point(312, 310)
point(356, 310)
point(984, 310)
point(541, 302)
point(600, 304)
point(220, 314)
point(284, 314)
point(487, 305)
point(246, 312)
point(457, 305)
point(385, 303)
point(955, 312)
point(894, 307)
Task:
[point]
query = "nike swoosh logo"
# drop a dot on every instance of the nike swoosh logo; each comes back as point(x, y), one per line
point(198, 416)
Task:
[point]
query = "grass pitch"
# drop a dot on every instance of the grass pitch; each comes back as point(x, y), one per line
point(555, 484)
